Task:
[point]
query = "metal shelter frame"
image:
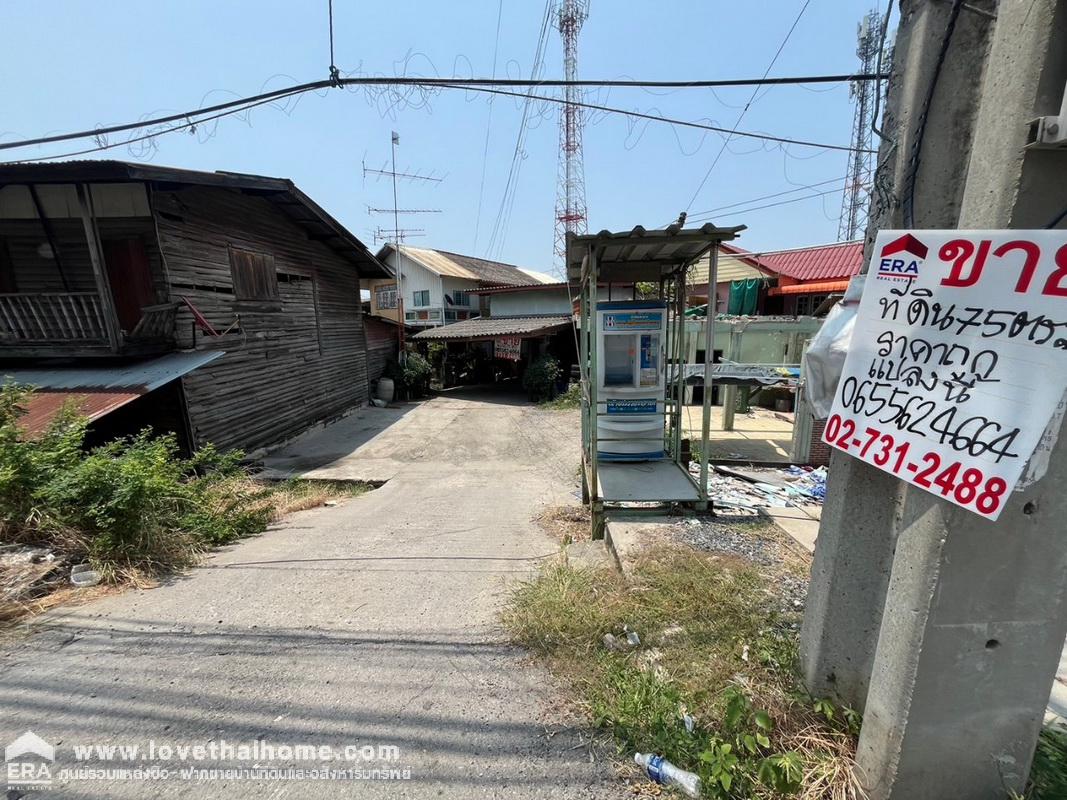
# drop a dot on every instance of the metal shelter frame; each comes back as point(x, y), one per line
point(660, 257)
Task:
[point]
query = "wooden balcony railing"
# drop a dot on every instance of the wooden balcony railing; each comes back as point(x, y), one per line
point(74, 317)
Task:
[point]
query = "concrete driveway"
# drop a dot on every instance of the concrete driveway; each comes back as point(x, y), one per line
point(372, 623)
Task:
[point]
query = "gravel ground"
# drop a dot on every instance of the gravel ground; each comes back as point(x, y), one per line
point(756, 540)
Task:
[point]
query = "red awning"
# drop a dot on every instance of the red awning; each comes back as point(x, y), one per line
point(816, 287)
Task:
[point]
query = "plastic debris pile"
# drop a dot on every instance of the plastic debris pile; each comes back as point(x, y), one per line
point(813, 481)
point(748, 490)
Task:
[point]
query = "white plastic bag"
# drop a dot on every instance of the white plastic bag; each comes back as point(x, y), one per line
point(825, 356)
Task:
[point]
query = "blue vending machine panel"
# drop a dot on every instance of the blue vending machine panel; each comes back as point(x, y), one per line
point(630, 380)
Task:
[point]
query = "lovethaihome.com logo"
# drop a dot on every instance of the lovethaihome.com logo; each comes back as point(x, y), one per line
point(28, 762)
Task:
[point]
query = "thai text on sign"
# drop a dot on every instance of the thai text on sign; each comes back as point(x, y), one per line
point(957, 361)
point(508, 348)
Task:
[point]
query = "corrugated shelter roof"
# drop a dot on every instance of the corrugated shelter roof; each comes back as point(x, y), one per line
point(641, 254)
point(835, 261)
point(282, 192)
point(97, 390)
point(534, 287)
point(492, 327)
point(442, 262)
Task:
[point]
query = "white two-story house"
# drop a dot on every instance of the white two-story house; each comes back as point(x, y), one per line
point(440, 287)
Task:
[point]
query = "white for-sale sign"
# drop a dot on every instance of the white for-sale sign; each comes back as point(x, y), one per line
point(957, 361)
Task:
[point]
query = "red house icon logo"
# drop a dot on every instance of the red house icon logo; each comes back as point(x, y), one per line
point(901, 258)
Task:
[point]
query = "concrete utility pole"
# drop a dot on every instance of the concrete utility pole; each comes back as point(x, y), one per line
point(945, 628)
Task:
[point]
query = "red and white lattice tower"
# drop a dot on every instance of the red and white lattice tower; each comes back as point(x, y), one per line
point(854, 203)
point(570, 184)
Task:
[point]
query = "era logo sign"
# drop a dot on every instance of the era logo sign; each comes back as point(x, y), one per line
point(27, 761)
point(901, 258)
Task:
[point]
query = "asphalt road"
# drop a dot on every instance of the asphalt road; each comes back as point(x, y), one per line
point(371, 623)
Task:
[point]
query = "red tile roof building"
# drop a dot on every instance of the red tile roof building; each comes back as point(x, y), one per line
point(796, 280)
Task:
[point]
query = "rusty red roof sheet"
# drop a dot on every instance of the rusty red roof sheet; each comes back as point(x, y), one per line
point(42, 407)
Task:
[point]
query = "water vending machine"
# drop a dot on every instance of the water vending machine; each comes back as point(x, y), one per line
point(630, 379)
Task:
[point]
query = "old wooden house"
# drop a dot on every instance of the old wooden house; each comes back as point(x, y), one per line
point(223, 306)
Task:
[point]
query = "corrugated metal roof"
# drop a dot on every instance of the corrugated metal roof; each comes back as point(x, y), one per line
point(436, 262)
point(491, 327)
point(541, 277)
point(826, 262)
point(525, 287)
point(492, 272)
point(42, 407)
point(641, 254)
point(734, 264)
point(455, 265)
point(140, 376)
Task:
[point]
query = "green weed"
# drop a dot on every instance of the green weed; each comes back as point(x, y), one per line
point(1048, 776)
point(132, 506)
point(570, 399)
point(715, 652)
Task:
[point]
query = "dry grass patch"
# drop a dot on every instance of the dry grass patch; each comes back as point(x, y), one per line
point(277, 499)
point(715, 651)
point(566, 524)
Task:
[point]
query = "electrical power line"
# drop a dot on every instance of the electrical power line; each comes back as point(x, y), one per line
point(507, 200)
point(430, 83)
point(488, 128)
point(191, 126)
point(515, 161)
point(806, 187)
point(744, 110)
point(779, 203)
point(658, 118)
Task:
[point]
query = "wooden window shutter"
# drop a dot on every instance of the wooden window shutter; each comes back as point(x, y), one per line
point(254, 277)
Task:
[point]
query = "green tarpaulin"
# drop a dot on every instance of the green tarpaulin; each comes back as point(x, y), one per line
point(744, 296)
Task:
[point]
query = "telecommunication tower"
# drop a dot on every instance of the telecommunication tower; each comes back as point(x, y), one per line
point(861, 160)
point(570, 183)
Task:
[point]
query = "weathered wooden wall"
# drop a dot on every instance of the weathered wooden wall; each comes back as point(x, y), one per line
point(295, 361)
point(382, 345)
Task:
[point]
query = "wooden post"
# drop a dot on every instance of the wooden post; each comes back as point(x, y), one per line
point(96, 258)
point(49, 235)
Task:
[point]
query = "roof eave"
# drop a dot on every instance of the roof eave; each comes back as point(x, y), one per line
point(121, 171)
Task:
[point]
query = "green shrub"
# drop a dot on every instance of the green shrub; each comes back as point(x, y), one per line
point(1048, 775)
point(572, 398)
point(131, 505)
point(416, 374)
point(540, 378)
point(411, 377)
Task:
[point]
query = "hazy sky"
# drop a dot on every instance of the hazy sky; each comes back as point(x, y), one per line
point(73, 65)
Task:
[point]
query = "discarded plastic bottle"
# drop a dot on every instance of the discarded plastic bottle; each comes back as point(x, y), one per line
point(665, 773)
